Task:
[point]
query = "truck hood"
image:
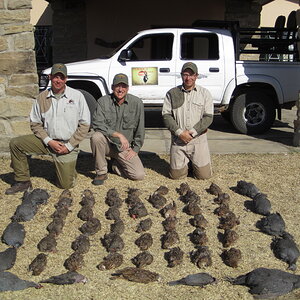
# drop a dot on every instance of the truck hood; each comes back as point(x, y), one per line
point(93, 67)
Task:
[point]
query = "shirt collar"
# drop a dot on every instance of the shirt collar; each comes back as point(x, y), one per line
point(186, 91)
point(51, 94)
point(116, 102)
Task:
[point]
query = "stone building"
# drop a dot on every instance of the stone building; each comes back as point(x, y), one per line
point(80, 29)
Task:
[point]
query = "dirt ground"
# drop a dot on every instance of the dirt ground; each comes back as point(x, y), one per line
point(277, 175)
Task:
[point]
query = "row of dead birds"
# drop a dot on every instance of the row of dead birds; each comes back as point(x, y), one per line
point(283, 244)
point(14, 235)
point(227, 222)
point(262, 282)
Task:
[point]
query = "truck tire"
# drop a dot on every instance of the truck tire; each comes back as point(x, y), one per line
point(90, 100)
point(253, 112)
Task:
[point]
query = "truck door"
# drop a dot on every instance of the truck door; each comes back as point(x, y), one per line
point(149, 64)
point(202, 48)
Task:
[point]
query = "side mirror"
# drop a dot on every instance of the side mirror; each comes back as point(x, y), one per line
point(126, 54)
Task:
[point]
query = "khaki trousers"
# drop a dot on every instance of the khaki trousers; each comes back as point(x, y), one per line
point(132, 169)
point(196, 151)
point(22, 146)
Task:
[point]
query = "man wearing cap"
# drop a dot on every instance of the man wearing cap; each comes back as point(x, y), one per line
point(119, 132)
point(59, 120)
point(187, 113)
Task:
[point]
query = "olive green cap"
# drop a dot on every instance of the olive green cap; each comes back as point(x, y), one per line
point(59, 68)
point(190, 65)
point(120, 78)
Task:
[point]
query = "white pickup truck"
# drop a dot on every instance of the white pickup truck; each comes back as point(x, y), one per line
point(247, 93)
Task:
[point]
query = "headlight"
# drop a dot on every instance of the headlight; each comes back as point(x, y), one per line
point(43, 82)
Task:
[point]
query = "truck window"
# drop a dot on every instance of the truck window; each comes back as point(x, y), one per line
point(152, 47)
point(199, 46)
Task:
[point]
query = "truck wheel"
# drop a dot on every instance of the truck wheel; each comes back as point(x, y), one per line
point(90, 100)
point(253, 113)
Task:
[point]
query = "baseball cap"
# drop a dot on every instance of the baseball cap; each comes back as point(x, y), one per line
point(190, 65)
point(120, 78)
point(59, 68)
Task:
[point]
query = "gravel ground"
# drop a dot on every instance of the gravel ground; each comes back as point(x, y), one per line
point(277, 175)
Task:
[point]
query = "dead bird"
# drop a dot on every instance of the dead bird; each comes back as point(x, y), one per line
point(144, 225)
point(8, 258)
point(261, 204)
point(38, 265)
point(268, 283)
point(25, 212)
point(190, 197)
point(273, 224)
point(169, 224)
point(162, 190)
point(222, 198)
point(88, 194)
point(143, 259)
point(222, 210)
point(81, 244)
point(88, 198)
point(60, 213)
point(64, 202)
point(169, 239)
point(113, 213)
point(201, 257)
point(112, 193)
point(183, 189)
point(56, 226)
point(113, 199)
point(286, 249)
point(232, 257)
point(136, 275)
point(112, 242)
point(138, 210)
point(48, 243)
point(157, 200)
point(170, 210)
point(14, 234)
point(214, 189)
point(198, 279)
point(144, 242)
point(199, 221)
point(229, 237)
point(229, 221)
point(74, 261)
point(198, 237)
point(11, 282)
point(91, 226)
point(69, 277)
point(174, 257)
point(36, 196)
point(111, 261)
point(117, 227)
point(85, 213)
point(246, 189)
point(133, 196)
point(192, 209)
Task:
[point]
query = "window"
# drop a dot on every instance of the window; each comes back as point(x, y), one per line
point(152, 47)
point(199, 46)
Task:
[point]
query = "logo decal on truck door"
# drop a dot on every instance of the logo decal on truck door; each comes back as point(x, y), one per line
point(144, 76)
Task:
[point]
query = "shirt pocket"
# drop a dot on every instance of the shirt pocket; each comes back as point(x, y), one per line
point(129, 121)
point(198, 108)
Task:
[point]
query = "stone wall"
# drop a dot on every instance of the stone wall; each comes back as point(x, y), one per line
point(18, 76)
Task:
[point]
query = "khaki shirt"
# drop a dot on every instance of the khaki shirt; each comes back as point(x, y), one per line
point(195, 112)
